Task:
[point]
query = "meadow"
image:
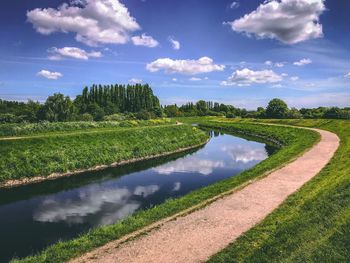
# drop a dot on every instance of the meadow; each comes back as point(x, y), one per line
point(293, 141)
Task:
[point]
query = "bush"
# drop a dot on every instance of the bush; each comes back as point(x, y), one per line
point(85, 117)
point(115, 117)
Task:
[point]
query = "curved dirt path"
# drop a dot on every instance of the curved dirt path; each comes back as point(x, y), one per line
point(197, 236)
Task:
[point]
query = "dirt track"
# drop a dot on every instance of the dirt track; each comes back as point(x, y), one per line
point(197, 236)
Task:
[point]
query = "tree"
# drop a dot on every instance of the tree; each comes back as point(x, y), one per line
point(277, 109)
point(260, 112)
point(294, 114)
point(58, 108)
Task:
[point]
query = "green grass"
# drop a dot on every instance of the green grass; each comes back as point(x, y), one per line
point(23, 129)
point(57, 153)
point(294, 140)
point(313, 225)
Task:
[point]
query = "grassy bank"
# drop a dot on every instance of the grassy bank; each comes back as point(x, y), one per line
point(24, 129)
point(295, 141)
point(59, 154)
point(313, 225)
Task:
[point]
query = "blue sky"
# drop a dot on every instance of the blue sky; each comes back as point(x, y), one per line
point(238, 52)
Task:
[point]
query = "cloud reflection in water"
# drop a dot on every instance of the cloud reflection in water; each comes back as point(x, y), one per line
point(95, 205)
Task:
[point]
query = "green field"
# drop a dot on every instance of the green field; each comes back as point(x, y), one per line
point(294, 141)
point(50, 153)
point(313, 225)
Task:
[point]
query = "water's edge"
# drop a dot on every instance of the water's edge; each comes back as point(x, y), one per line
point(53, 176)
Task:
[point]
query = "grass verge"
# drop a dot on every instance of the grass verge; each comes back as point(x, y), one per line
point(312, 225)
point(42, 156)
point(295, 141)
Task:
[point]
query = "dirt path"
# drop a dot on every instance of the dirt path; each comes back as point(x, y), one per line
point(197, 236)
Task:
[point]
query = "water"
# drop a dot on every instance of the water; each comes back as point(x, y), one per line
point(33, 217)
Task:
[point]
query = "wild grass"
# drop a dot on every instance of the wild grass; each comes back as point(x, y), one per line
point(51, 154)
point(21, 129)
point(295, 141)
point(313, 225)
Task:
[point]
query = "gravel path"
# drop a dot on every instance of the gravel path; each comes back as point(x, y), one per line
point(197, 236)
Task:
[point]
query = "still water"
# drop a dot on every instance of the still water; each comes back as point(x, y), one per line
point(33, 217)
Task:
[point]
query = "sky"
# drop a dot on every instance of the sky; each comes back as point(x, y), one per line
point(238, 52)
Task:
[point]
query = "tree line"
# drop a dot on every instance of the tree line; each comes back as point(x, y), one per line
point(276, 109)
point(118, 102)
point(95, 103)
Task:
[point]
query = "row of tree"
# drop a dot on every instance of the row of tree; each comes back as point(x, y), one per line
point(276, 109)
point(116, 102)
point(137, 101)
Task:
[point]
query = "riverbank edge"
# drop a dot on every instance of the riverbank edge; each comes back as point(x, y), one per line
point(54, 176)
point(144, 221)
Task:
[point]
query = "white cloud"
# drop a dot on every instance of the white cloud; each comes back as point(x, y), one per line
point(49, 75)
point(347, 75)
point(294, 78)
point(277, 64)
point(289, 21)
point(268, 63)
point(72, 52)
point(93, 21)
point(144, 40)
point(174, 79)
point(246, 77)
point(174, 43)
point(234, 5)
point(284, 75)
point(303, 62)
point(190, 67)
point(135, 81)
point(195, 79)
point(277, 86)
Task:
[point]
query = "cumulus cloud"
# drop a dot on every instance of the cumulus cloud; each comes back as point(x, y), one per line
point(174, 79)
point(144, 40)
point(72, 52)
point(174, 43)
point(189, 67)
point(93, 21)
point(49, 75)
point(135, 81)
point(277, 64)
point(347, 75)
point(289, 21)
point(294, 78)
point(234, 5)
point(246, 77)
point(302, 62)
point(195, 79)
